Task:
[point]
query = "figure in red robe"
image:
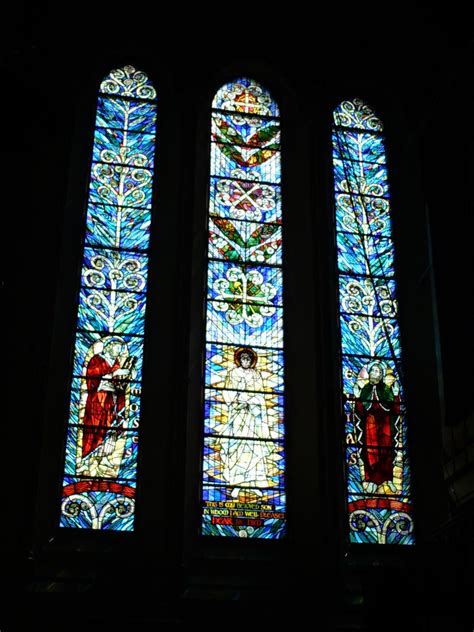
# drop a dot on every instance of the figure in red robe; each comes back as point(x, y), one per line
point(377, 407)
point(105, 404)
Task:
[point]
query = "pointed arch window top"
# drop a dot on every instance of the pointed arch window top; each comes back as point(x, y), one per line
point(128, 82)
point(245, 96)
point(356, 114)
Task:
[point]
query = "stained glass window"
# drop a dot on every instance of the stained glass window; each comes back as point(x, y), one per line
point(243, 488)
point(377, 467)
point(104, 415)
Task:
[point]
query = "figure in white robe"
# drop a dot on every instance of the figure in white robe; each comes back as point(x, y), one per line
point(244, 457)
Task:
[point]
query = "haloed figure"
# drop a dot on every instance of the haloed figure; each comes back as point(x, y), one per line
point(377, 406)
point(105, 403)
point(246, 459)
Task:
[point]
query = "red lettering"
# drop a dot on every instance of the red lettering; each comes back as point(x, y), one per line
point(221, 520)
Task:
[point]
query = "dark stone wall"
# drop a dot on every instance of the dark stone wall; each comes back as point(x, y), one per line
point(414, 69)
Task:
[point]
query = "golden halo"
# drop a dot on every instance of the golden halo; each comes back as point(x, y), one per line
point(240, 350)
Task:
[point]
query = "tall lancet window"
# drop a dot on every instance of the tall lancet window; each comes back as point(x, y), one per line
point(243, 491)
point(377, 468)
point(104, 417)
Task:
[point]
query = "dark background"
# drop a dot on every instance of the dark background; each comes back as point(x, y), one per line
point(414, 65)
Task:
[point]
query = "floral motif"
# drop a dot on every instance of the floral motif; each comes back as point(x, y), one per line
point(128, 82)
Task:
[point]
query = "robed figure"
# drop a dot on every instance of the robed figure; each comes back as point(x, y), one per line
point(106, 373)
point(245, 459)
point(377, 408)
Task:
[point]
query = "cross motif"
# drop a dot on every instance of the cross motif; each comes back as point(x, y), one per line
point(252, 294)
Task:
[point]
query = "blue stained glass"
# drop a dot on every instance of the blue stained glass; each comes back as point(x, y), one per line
point(367, 296)
point(121, 186)
point(114, 269)
point(122, 227)
point(71, 449)
point(136, 116)
point(362, 178)
point(248, 284)
point(244, 241)
point(107, 310)
point(230, 323)
point(224, 516)
point(220, 359)
point(358, 146)
point(244, 131)
point(245, 96)
point(243, 419)
point(377, 468)
point(253, 164)
point(379, 525)
point(365, 254)
point(250, 201)
point(216, 412)
point(369, 336)
point(94, 504)
point(124, 147)
point(104, 414)
point(360, 214)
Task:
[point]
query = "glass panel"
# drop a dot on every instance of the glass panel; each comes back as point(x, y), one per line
point(357, 114)
point(235, 198)
point(243, 517)
point(120, 114)
point(118, 226)
point(363, 215)
point(358, 146)
point(83, 395)
point(120, 186)
point(367, 296)
point(97, 504)
point(244, 131)
point(114, 269)
point(243, 454)
point(104, 413)
point(377, 467)
point(361, 178)
point(106, 310)
point(123, 147)
point(365, 254)
point(355, 373)
point(245, 323)
point(232, 282)
point(245, 96)
point(244, 241)
point(220, 359)
point(369, 336)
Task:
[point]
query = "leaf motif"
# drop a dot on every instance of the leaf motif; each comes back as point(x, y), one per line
point(261, 234)
point(230, 231)
point(263, 135)
point(227, 133)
